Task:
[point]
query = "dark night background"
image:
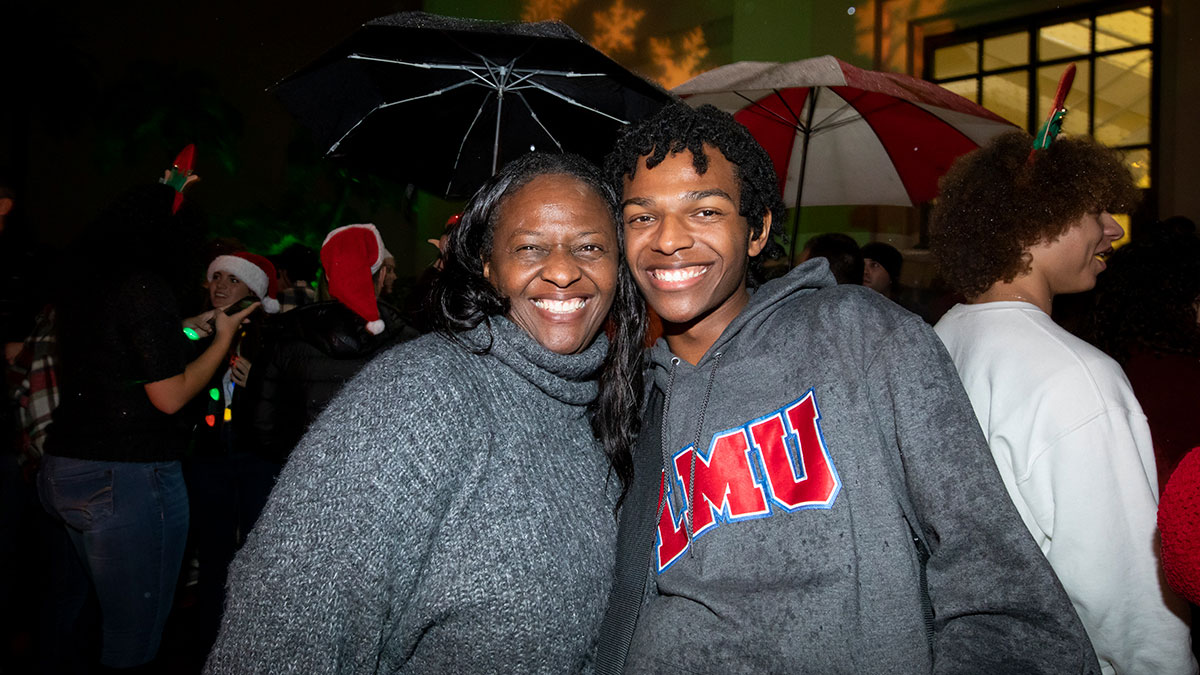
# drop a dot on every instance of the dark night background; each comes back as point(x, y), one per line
point(100, 96)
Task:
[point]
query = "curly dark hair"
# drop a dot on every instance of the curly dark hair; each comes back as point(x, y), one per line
point(1147, 297)
point(679, 127)
point(462, 298)
point(994, 204)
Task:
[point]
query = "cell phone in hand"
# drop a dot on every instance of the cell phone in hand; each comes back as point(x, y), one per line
point(240, 305)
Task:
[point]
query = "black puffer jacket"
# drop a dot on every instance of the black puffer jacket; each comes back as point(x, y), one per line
point(320, 347)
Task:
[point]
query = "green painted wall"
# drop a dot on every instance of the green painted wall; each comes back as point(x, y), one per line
point(771, 30)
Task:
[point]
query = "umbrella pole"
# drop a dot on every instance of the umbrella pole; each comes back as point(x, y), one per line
point(496, 142)
point(795, 235)
point(805, 129)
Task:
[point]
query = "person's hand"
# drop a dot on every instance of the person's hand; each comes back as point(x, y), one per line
point(12, 350)
point(226, 324)
point(201, 323)
point(240, 370)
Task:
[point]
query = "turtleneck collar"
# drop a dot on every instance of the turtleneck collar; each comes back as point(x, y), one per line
point(570, 378)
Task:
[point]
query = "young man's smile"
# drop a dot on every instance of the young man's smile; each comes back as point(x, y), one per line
point(676, 278)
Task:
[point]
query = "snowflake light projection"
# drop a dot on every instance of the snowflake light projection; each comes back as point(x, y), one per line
point(546, 10)
point(615, 27)
point(893, 31)
point(679, 66)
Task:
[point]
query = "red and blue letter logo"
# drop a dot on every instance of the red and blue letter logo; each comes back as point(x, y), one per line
point(777, 463)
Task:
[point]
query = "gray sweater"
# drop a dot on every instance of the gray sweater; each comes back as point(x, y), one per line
point(830, 408)
point(448, 512)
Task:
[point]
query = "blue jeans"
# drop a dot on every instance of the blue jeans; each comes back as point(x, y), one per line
point(128, 522)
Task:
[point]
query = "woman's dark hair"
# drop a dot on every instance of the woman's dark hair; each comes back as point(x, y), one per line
point(994, 204)
point(462, 298)
point(1146, 299)
point(679, 127)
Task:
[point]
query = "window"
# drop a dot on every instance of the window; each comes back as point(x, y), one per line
point(1013, 70)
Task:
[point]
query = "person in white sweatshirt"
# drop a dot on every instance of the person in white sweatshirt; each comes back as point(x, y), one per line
point(1011, 230)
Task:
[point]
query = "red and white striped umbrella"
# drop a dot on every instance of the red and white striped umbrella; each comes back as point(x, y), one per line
point(870, 137)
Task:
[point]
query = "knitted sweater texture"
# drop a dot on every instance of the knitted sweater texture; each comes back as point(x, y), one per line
point(448, 512)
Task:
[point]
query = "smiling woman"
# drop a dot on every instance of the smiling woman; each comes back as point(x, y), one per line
point(555, 258)
point(225, 289)
point(451, 510)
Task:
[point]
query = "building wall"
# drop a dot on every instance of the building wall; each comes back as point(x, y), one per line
point(1179, 120)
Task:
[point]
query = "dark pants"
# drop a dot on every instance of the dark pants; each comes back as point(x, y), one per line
point(49, 614)
point(226, 493)
point(128, 523)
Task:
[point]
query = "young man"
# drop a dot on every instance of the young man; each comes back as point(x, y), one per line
point(837, 451)
point(1073, 447)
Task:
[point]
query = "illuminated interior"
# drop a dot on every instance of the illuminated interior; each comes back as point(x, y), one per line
point(1015, 74)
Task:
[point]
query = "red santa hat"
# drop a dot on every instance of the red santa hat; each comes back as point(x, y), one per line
point(255, 271)
point(350, 256)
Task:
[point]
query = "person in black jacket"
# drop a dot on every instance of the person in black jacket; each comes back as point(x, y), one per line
point(323, 345)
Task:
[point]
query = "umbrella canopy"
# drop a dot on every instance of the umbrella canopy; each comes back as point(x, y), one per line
point(870, 137)
point(443, 102)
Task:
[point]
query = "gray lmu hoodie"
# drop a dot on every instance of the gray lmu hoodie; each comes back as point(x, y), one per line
point(832, 413)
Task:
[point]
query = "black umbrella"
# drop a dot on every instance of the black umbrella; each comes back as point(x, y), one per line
point(443, 102)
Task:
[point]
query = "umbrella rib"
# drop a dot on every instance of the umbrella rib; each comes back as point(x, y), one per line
point(779, 95)
point(501, 83)
point(485, 80)
point(500, 80)
point(526, 74)
point(798, 124)
point(539, 121)
point(473, 70)
point(413, 64)
point(846, 104)
point(443, 90)
point(463, 144)
point(568, 99)
point(793, 123)
point(521, 73)
point(496, 137)
point(858, 117)
point(392, 103)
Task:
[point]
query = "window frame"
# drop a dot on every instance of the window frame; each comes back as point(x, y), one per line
point(1030, 24)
